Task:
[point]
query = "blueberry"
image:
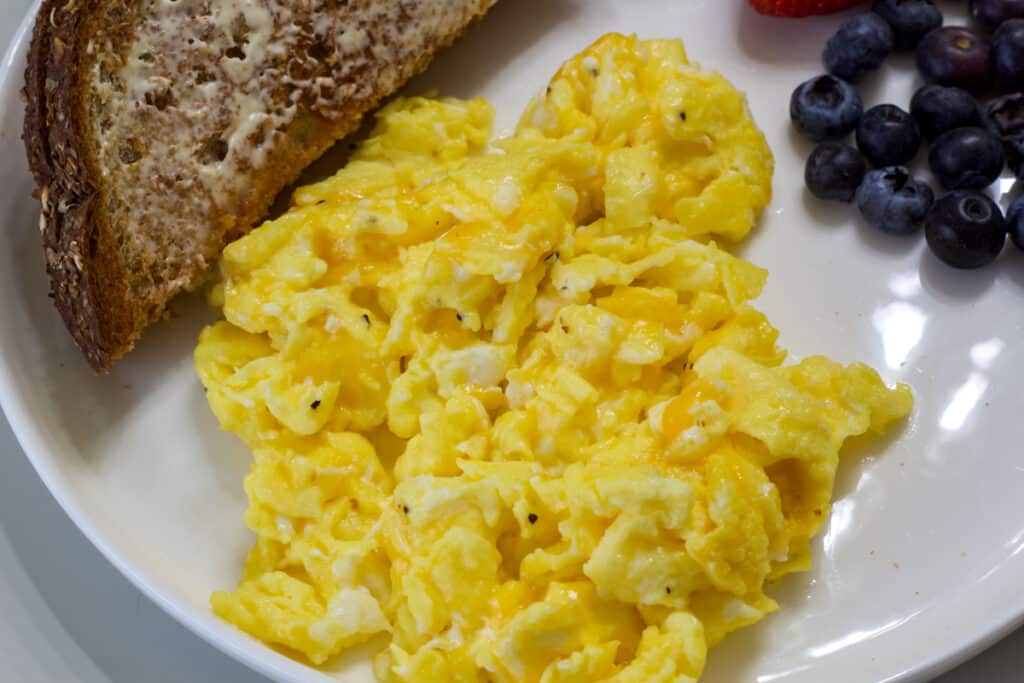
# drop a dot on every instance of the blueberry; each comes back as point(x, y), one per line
point(991, 13)
point(956, 56)
point(834, 171)
point(1015, 222)
point(1008, 55)
point(909, 19)
point(860, 45)
point(937, 109)
point(965, 229)
point(825, 107)
point(1005, 117)
point(887, 135)
point(966, 158)
point(893, 201)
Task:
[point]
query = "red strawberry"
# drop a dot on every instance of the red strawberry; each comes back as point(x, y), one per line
point(801, 8)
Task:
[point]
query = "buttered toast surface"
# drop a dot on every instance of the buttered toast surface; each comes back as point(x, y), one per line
point(160, 130)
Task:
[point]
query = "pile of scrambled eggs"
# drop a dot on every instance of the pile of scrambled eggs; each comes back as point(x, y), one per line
point(510, 409)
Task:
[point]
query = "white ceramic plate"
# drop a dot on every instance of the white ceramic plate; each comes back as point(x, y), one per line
point(921, 565)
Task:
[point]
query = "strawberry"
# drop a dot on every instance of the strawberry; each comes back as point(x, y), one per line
point(801, 8)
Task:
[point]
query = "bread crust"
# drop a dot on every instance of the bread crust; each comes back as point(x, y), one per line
point(89, 276)
point(84, 276)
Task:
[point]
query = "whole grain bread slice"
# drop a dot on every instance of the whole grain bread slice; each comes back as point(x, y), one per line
point(160, 130)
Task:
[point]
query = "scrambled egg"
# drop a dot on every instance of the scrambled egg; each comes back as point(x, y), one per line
point(510, 409)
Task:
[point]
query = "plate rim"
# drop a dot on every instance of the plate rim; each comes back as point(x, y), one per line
point(238, 646)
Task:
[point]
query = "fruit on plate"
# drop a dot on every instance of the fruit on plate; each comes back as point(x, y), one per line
point(958, 56)
point(801, 8)
point(938, 108)
point(887, 135)
point(825, 107)
point(1008, 55)
point(969, 144)
point(965, 229)
point(910, 20)
point(966, 158)
point(158, 133)
point(834, 170)
point(992, 13)
point(1015, 222)
point(860, 45)
point(893, 201)
point(1005, 117)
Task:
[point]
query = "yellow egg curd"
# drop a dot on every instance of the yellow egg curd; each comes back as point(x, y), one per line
point(512, 415)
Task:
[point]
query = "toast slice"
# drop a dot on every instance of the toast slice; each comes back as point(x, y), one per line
point(160, 130)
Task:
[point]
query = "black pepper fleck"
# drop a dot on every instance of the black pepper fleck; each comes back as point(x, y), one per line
point(668, 590)
point(366, 319)
point(682, 116)
point(458, 316)
point(315, 404)
point(405, 509)
point(532, 518)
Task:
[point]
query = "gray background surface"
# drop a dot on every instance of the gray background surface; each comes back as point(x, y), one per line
point(70, 617)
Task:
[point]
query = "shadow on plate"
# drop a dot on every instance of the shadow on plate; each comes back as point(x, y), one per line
point(896, 246)
point(736, 658)
point(772, 40)
point(98, 402)
point(952, 285)
point(861, 451)
point(226, 456)
point(828, 214)
point(944, 283)
point(1011, 266)
point(833, 215)
point(872, 86)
